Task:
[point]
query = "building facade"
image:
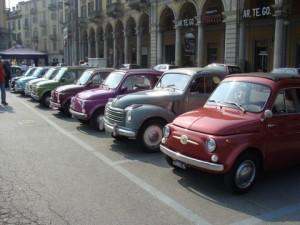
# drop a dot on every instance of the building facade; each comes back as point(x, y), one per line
point(38, 24)
point(255, 34)
point(4, 35)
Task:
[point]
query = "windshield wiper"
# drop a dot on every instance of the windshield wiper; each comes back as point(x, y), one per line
point(237, 105)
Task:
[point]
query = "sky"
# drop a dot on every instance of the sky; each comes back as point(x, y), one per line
point(12, 3)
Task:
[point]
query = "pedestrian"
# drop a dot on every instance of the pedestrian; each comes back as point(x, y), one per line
point(7, 68)
point(2, 83)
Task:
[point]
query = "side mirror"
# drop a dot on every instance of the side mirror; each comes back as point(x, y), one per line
point(268, 114)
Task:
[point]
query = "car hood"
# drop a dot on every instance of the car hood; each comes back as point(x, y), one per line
point(70, 88)
point(153, 97)
point(47, 83)
point(36, 80)
point(26, 79)
point(97, 93)
point(220, 122)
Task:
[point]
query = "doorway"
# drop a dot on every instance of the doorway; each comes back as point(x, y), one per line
point(261, 56)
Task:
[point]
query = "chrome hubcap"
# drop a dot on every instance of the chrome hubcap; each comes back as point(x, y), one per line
point(245, 174)
point(153, 136)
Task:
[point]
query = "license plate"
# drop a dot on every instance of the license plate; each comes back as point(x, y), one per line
point(179, 164)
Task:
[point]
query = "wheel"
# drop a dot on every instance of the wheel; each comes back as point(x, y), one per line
point(242, 176)
point(46, 99)
point(150, 135)
point(97, 120)
point(65, 108)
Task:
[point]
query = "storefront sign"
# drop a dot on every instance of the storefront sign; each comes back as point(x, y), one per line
point(257, 12)
point(187, 22)
point(212, 16)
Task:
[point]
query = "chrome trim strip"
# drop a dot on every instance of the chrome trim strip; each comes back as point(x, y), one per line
point(189, 141)
point(191, 161)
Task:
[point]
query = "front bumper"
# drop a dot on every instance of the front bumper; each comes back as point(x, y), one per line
point(78, 115)
point(19, 89)
point(116, 130)
point(55, 105)
point(35, 97)
point(191, 161)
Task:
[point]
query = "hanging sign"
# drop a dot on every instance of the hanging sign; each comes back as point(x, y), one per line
point(212, 16)
point(187, 22)
point(257, 12)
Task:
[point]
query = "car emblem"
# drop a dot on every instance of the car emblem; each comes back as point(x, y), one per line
point(184, 139)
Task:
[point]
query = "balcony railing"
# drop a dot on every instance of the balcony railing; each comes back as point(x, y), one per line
point(138, 4)
point(114, 9)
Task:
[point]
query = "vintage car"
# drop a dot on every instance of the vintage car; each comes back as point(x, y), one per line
point(16, 71)
point(66, 75)
point(164, 67)
point(250, 123)
point(286, 70)
point(90, 79)
point(142, 115)
point(21, 83)
point(13, 80)
point(225, 68)
point(88, 106)
point(49, 75)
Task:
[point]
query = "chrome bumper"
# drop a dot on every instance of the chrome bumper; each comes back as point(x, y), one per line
point(191, 161)
point(54, 105)
point(78, 115)
point(110, 128)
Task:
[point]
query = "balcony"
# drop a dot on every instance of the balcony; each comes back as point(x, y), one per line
point(95, 15)
point(138, 4)
point(33, 11)
point(52, 6)
point(114, 10)
point(15, 14)
point(53, 37)
point(43, 24)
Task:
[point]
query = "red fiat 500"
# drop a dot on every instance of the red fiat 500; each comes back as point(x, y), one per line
point(250, 123)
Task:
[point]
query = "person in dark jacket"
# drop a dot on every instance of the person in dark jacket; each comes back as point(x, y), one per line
point(7, 68)
point(2, 83)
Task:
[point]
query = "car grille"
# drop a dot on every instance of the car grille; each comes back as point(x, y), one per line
point(115, 115)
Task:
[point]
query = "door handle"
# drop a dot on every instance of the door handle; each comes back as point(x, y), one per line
point(271, 125)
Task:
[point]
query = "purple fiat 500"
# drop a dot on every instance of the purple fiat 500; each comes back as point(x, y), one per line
point(88, 106)
point(90, 79)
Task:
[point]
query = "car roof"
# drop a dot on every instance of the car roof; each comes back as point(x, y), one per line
point(270, 76)
point(138, 71)
point(196, 70)
point(221, 64)
point(101, 69)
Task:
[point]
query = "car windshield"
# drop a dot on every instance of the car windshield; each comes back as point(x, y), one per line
point(37, 72)
point(246, 96)
point(85, 77)
point(285, 71)
point(51, 73)
point(29, 72)
point(173, 81)
point(113, 80)
point(60, 73)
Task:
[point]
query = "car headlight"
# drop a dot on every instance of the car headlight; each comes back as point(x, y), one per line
point(166, 131)
point(211, 145)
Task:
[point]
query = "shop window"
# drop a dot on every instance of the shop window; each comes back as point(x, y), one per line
point(261, 56)
point(212, 53)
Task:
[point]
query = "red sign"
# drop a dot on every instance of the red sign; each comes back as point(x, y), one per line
point(212, 19)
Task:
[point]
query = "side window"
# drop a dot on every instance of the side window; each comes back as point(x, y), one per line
point(136, 82)
point(197, 85)
point(211, 83)
point(233, 69)
point(287, 101)
point(70, 76)
point(97, 79)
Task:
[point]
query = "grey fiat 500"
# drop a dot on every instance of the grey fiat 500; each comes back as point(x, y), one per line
point(142, 115)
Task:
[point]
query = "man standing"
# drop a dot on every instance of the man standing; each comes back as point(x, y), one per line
point(2, 84)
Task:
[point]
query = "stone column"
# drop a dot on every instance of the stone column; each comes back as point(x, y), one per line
point(200, 45)
point(105, 48)
point(138, 46)
point(97, 47)
point(89, 47)
point(242, 46)
point(231, 37)
point(279, 36)
point(159, 46)
point(115, 63)
point(126, 47)
point(178, 52)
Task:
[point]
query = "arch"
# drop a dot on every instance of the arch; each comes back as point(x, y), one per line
point(84, 45)
point(92, 43)
point(144, 29)
point(130, 53)
point(166, 18)
point(119, 42)
point(100, 42)
point(108, 45)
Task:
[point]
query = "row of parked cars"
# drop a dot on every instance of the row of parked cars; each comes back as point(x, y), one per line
point(211, 118)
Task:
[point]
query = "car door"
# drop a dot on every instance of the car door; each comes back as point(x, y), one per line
point(283, 129)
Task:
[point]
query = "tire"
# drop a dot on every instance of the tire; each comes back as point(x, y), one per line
point(150, 135)
point(94, 122)
point(65, 108)
point(46, 100)
point(83, 121)
point(233, 180)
